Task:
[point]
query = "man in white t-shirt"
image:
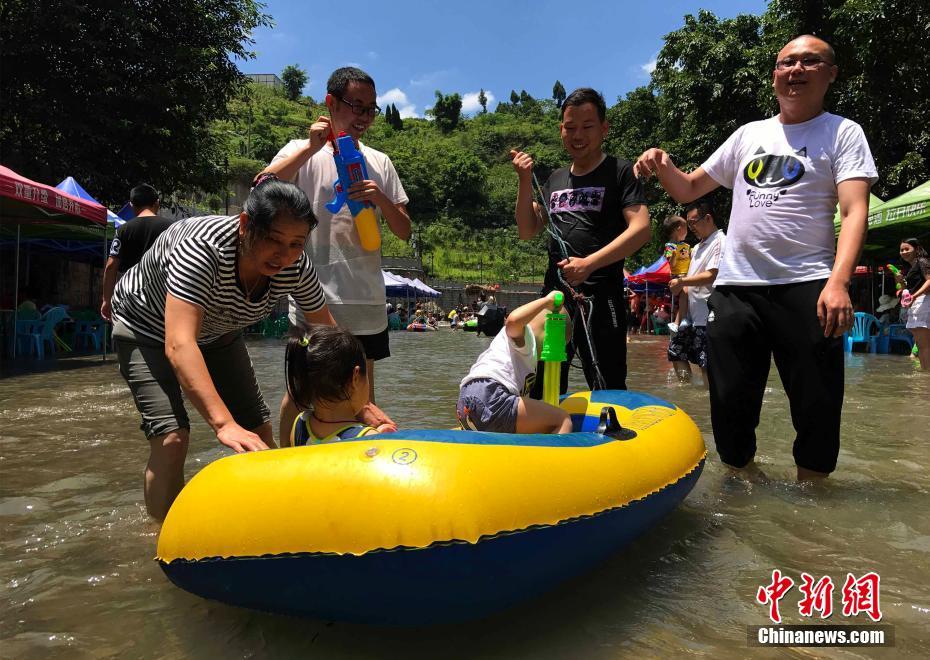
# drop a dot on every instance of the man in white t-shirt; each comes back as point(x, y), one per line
point(782, 287)
point(690, 343)
point(349, 274)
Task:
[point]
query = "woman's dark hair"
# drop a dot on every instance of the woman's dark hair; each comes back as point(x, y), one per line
point(319, 363)
point(584, 95)
point(271, 196)
point(919, 250)
point(670, 224)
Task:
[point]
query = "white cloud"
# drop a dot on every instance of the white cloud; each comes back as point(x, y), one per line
point(428, 78)
point(400, 101)
point(372, 55)
point(470, 103)
point(649, 66)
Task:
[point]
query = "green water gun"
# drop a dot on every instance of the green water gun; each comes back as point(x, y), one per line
point(553, 351)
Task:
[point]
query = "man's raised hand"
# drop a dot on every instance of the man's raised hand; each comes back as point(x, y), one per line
point(522, 163)
point(649, 162)
point(319, 132)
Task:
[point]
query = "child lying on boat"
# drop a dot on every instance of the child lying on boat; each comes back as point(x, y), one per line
point(492, 397)
point(327, 379)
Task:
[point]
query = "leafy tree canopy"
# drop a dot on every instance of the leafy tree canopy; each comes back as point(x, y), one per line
point(118, 93)
point(294, 79)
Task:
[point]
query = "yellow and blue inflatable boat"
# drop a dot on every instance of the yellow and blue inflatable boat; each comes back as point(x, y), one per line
point(429, 526)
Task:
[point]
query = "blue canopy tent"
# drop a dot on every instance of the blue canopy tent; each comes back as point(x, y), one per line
point(125, 213)
point(424, 290)
point(72, 187)
point(394, 286)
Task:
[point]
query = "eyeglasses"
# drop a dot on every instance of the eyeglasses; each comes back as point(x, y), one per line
point(807, 63)
point(358, 109)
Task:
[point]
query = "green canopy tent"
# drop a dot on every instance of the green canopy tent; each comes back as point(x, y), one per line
point(889, 222)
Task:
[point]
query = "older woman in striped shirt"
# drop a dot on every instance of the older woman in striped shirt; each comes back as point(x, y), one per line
point(178, 317)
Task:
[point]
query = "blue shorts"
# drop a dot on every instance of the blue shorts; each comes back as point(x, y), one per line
point(486, 405)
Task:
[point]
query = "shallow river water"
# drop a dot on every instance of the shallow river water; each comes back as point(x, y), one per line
point(77, 578)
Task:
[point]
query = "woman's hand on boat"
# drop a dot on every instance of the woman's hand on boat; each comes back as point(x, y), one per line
point(239, 439)
point(372, 415)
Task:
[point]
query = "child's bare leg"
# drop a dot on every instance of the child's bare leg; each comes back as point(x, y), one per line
point(539, 417)
point(682, 306)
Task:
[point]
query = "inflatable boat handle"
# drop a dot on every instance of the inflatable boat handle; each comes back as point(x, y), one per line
point(609, 426)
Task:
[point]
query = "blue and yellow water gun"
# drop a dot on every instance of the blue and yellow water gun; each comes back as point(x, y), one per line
point(350, 164)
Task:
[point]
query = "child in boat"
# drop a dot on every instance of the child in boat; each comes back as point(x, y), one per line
point(492, 397)
point(678, 253)
point(326, 376)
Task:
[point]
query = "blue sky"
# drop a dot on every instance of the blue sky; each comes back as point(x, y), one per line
point(412, 48)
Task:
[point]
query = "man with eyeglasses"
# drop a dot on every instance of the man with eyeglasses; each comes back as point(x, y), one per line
point(349, 274)
point(689, 344)
point(782, 286)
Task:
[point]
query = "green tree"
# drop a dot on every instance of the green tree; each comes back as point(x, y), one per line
point(483, 100)
point(447, 111)
point(558, 93)
point(394, 117)
point(294, 79)
point(514, 97)
point(112, 116)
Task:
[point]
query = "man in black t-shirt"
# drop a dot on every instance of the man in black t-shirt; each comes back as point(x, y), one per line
point(598, 211)
point(133, 239)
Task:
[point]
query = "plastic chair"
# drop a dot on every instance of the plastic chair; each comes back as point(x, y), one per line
point(39, 332)
point(865, 330)
point(659, 326)
point(89, 331)
point(895, 332)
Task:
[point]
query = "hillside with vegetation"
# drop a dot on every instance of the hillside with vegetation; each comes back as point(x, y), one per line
point(179, 114)
point(711, 76)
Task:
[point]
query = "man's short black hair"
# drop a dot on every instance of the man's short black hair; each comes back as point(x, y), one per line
point(340, 79)
point(703, 205)
point(584, 95)
point(143, 196)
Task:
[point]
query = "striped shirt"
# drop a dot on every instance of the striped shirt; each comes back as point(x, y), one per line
point(195, 261)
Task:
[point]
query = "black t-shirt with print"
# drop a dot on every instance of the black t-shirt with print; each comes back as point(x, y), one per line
point(587, 210)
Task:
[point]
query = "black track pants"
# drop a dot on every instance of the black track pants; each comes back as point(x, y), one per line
point(749, 325)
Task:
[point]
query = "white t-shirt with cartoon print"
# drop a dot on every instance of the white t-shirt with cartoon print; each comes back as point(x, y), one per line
point(784, 179)
point(505, 362)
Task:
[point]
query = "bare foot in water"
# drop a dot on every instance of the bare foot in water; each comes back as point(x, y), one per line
point(750, 473)
point(811, 476)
